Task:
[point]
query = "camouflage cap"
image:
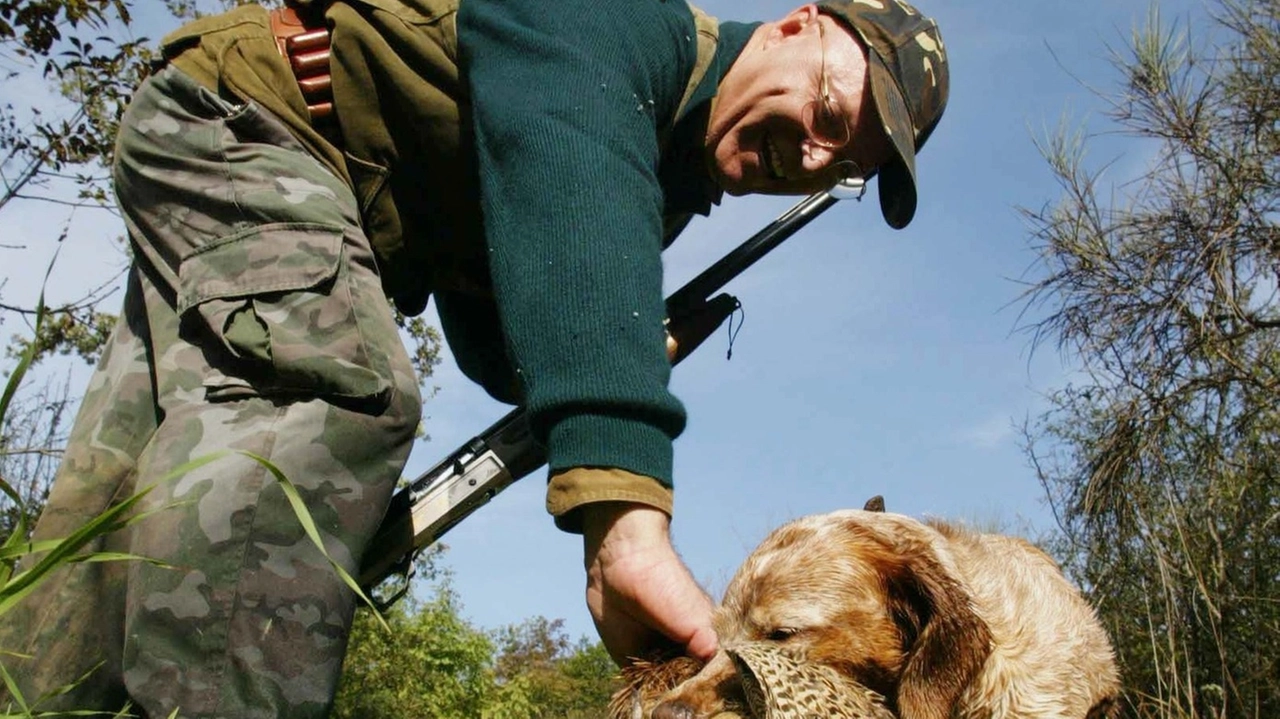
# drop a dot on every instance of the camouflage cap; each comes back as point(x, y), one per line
point(909, 83)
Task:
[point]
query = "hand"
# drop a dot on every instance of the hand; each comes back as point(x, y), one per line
point(642, 597)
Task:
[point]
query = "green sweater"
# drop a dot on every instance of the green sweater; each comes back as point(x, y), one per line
point(570, 99)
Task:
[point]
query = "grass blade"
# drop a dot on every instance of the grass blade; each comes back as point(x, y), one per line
point(14, 694)
point(67, 549)
point(309, 526)
point(24, 363)
point(25, 582)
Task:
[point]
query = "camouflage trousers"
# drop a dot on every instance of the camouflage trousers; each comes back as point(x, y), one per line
point(254, 321)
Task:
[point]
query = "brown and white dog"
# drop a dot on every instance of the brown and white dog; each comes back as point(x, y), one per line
point(941, 620)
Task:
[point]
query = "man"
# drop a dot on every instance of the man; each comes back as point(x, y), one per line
point(518, 162)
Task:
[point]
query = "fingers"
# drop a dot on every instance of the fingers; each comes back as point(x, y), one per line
point(629, 632)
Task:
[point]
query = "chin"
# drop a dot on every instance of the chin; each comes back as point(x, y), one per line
point(730, 182)
point(740, 182)
point(734, 171)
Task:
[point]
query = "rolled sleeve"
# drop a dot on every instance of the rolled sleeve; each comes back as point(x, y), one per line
point(570, 490)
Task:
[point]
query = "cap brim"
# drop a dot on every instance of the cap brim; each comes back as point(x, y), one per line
point(897, 184)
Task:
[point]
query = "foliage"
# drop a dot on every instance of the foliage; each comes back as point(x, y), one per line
point(427, 343)
point(16, 531)
point(91, 66)
point(1162, 463)
point(78, 330)
point(76, 65)
point(193, 9)
point(435, 664)
point(431, 664)
point(30, 433)
point(557, 678)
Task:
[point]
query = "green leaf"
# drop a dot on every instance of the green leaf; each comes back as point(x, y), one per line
point(25, 582)
point(118, 557)
point(15, 550)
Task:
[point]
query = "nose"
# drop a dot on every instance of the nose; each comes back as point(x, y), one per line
point(673, 710)
point(815, 157)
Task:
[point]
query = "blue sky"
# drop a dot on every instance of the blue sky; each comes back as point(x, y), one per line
point(871, 361)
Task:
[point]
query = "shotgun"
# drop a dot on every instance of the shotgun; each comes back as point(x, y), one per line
point(421, 512)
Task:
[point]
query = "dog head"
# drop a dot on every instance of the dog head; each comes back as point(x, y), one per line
point(870, 594)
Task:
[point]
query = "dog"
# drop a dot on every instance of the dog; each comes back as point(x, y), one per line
point(941, 620)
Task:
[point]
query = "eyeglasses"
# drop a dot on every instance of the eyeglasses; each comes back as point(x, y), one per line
point(821, 116)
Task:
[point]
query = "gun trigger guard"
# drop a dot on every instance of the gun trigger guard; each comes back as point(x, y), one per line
point(405, 571)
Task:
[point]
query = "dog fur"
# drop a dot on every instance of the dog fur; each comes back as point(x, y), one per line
point(942, 620)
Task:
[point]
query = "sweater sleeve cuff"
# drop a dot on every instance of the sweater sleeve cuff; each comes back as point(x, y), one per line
point(601, 440)
point(571, 489)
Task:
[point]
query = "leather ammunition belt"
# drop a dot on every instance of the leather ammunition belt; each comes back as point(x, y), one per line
point(303, 41)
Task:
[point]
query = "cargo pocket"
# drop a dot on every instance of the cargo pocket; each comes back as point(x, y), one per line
point(277, 298)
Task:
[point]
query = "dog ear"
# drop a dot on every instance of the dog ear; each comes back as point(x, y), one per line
point(946, 641)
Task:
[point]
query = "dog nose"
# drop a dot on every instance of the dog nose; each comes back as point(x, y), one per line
point(673, 710)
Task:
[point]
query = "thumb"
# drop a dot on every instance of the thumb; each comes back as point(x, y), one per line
point(679, 608)
point(703, 644)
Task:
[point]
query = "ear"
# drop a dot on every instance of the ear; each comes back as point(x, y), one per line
point(947, 642)
point(797, 20)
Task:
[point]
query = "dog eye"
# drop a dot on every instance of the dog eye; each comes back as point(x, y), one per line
point(780, 635)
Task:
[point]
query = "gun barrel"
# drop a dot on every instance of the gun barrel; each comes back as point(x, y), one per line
point(715, 277)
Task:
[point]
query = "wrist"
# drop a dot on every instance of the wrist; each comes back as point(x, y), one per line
point(614, 529)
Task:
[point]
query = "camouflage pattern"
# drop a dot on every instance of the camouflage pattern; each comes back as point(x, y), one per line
point(910, 83)
point(254, 320)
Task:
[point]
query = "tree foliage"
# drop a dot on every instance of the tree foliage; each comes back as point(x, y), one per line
point(76, 63)
point(434, 664)
point(557, 678)
point(90, 64)
point(1163, 462)
point(32, 430)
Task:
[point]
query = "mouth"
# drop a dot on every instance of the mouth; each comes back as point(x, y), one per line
point(770, 160)
point(768, 681)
